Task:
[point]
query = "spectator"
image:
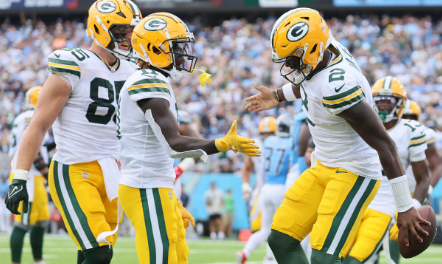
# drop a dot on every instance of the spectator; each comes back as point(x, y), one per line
point(228, 216)
point(214, 199)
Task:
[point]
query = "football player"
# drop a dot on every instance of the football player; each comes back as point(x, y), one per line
point(329, 199)
point(36, 219)
point(412, 111)
point(80, 95)
point(410, 138)
point(266, 128)
point(150, 139)
point(276, 164)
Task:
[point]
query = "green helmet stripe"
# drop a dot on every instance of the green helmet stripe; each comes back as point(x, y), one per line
point(387, 82)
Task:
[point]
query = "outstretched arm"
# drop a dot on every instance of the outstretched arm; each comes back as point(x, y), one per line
point(367, 124)
point(435, 164)
point(164, 118)
point(267, 99)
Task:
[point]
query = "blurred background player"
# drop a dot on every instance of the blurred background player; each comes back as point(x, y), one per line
point(81, 95)
point(214, 199)
point(150, 139)
point(412, 111)
point(266, 128)
point(409, 136)
point(37, 217)
point(276, 164)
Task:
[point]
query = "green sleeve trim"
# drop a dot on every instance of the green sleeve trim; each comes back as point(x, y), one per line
point(65, 62)
point(149, 81)
point(342, 95)
point(418, 137)
point(61, 70)
point(345, 103)
point(417, 144)
point(149, 90)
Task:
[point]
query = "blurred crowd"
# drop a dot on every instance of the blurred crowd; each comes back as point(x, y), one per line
point(237, 53)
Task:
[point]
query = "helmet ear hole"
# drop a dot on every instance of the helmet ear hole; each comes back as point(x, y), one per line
point(121, 14)
point(156, 50)
point(314, 48)
point(96, 29)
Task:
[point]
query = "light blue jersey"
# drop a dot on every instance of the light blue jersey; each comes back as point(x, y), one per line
point(277, 159)
point(296, 128)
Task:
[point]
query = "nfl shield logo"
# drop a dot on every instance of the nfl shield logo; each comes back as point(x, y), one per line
point(85, 175)
point(170, 195)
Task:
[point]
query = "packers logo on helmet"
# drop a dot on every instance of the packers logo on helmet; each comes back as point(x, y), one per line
point(164, 41)
point(106, 7)
point(299, 39)
point(109, 23)
point(297, 31)
point(32, 96)
point(389, 96)
point(155, 24)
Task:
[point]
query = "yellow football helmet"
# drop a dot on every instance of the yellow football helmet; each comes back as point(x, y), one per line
point(389, 96)
point(107, 21)
point(300, 38)
point(267, 125)
point(32, 96)
point(413, 110)
point(163, 40)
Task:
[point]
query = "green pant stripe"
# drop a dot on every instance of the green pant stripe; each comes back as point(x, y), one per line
point(378, 245)
point(29, 213)
point(148, 224)
point(78, 211)
point(63, 205)
point(355, 214)
point(162, 225)
point(341, 213)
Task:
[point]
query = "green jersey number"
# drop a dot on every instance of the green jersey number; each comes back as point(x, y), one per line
point(78, 53)
point(336, 75)
point(91, 113)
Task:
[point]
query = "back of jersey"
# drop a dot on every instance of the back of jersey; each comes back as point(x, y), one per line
point(277, 159)
point(85, 129)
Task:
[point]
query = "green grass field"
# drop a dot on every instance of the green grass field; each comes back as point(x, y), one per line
point(60, 249)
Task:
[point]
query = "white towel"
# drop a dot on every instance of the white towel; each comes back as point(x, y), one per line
point(111, 174)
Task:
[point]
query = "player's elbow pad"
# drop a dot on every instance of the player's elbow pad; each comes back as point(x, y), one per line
point(196, 153)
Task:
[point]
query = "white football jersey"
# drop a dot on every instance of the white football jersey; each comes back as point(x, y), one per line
point(21, 122)
point(144, 161)
point(409, 136)
point(431, 140)
point(85, 129)
point(334, 89)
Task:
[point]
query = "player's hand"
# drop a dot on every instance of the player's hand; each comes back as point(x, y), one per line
point(409, 221)
point(246, 191)
point(187, 217)
point(178, 172)
point(17, 192)
point(237, 143)
point(264, 100)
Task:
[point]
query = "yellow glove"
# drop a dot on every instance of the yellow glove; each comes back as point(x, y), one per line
point(394, 230)
point(205, 77)
point(237, 143)
point(187, 217)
